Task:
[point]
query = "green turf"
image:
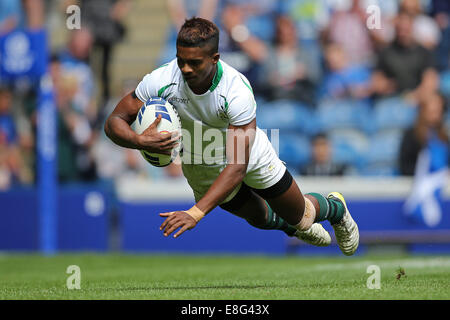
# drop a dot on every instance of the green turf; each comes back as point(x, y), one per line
point(221, 277)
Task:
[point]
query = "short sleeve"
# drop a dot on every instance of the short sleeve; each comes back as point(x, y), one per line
point(147, 87)
point(155, 83)
point(242, 106)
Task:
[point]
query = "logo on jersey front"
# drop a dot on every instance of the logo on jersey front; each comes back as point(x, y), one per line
point(178, 100)
point(222, 111)
point(221, 114)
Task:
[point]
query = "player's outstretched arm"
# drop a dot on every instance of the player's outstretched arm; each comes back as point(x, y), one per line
point(117, 128)
point(239, 142)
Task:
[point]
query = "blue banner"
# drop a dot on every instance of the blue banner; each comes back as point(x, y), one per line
point(221, 232)
point(82, 224)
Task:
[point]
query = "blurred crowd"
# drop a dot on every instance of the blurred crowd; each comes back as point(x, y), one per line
point(356, 87)
point(353, 92)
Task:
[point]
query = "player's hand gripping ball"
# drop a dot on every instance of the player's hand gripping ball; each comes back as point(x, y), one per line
point(170, 122)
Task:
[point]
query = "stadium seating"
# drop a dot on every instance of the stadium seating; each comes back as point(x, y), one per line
point(343, 114)
point(294, 149)
point(349, 146)
point(287, 115)
point(262, 26)
point(379, 170)
point(382, 154)
point(367, 139)
point(393, 113)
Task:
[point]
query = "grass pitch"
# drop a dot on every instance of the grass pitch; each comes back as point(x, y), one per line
point(222, 277)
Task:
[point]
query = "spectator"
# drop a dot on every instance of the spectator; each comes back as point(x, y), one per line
point(405, 67)
point(343, 79)
point(322, 163)
point(286, 72)
point(106, 20)
point(348, 28)
point(429, 128)
point(13, 168)
point(425, 29)
point(74, 86)
point(78, 110)
point(383, 36)
point(74, 65)
point(238, 47)
point(428, 149)
point(67, 148)
point(310, 18)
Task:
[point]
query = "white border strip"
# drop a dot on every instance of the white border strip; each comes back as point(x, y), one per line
point(413, 263)
point(138, 190)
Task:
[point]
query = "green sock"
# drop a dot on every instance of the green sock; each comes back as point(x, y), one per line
point(330, 209)
point(275, 222)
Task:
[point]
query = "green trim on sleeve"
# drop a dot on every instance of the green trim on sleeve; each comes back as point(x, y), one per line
point(247, 85)
point(161, 91)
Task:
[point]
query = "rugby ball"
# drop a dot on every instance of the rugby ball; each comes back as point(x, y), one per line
point(170, 121)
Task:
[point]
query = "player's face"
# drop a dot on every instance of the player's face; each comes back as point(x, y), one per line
point(197, 65)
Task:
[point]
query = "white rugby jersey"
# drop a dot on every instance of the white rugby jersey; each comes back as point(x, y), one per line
point(229, 100)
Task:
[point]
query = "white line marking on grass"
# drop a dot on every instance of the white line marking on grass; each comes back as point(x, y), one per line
point(414, 263)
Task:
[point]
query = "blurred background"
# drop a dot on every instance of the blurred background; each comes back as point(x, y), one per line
point(359, 90)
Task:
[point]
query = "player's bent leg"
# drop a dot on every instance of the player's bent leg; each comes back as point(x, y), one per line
point(334, 209)
point(300, 213)
point(310, 232)
point(251, 207)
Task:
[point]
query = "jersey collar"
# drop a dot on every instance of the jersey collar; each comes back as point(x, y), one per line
point(217, 77)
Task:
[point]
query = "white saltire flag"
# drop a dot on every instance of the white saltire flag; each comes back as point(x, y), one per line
point(431, 174)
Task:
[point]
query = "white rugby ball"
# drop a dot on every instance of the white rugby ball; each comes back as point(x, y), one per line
point(170, 121)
